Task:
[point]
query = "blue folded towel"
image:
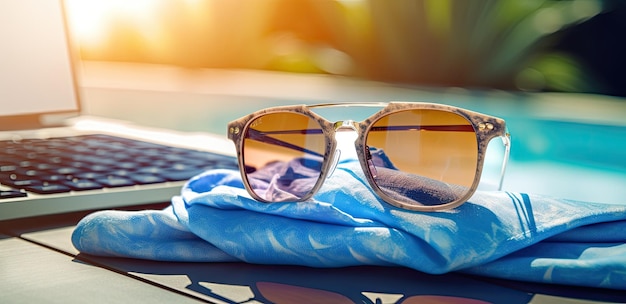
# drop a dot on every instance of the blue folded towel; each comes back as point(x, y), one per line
point(497, 234)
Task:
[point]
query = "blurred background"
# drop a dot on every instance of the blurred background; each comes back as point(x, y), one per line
point(529, 45)
point(553, 69)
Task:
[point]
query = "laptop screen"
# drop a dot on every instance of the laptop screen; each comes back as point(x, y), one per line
point(36, 74)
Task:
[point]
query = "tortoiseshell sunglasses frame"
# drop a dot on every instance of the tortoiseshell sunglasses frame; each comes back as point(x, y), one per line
point(486, 128)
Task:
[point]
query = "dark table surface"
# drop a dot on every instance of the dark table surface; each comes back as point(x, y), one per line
point(39, 264)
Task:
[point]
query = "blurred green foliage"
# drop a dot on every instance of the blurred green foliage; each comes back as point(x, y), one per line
point(505, 44)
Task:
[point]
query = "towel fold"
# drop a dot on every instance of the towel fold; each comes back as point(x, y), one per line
point(498, 234)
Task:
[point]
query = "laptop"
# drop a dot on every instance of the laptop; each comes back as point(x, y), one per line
point(55, 160)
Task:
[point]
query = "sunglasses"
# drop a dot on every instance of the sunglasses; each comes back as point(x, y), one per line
point(416, 156)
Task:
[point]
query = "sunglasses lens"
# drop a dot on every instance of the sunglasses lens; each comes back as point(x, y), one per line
point(283, 155)
point(423, 157)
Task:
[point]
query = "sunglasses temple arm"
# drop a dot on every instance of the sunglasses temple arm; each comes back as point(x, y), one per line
point(506, 140)
point(261, 137)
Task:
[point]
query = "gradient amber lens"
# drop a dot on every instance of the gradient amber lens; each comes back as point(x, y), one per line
point(283, 156)
point(423, 157)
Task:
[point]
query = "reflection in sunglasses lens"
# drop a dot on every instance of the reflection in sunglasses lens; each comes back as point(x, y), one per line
point(283, 155)
point(423, 156)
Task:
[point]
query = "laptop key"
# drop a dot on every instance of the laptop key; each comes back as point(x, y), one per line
point(12, 194)
point(90, 175)
point(48, 189)
point(153, 170)
point(179, 175)
point(21, 183)
point(114, 181)
point(98, 168)
point(8, 168)
point(127, 165)
point(66, 170)
point(144, 179)
point(56, 177)
point(81, 184)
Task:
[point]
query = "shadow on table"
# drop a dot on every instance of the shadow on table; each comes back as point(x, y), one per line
point(243, 283)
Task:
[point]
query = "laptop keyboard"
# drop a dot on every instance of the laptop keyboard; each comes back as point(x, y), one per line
point(89, 162)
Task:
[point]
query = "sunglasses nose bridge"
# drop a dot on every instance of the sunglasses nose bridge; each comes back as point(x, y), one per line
point(345, 134)
point(344, 125)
